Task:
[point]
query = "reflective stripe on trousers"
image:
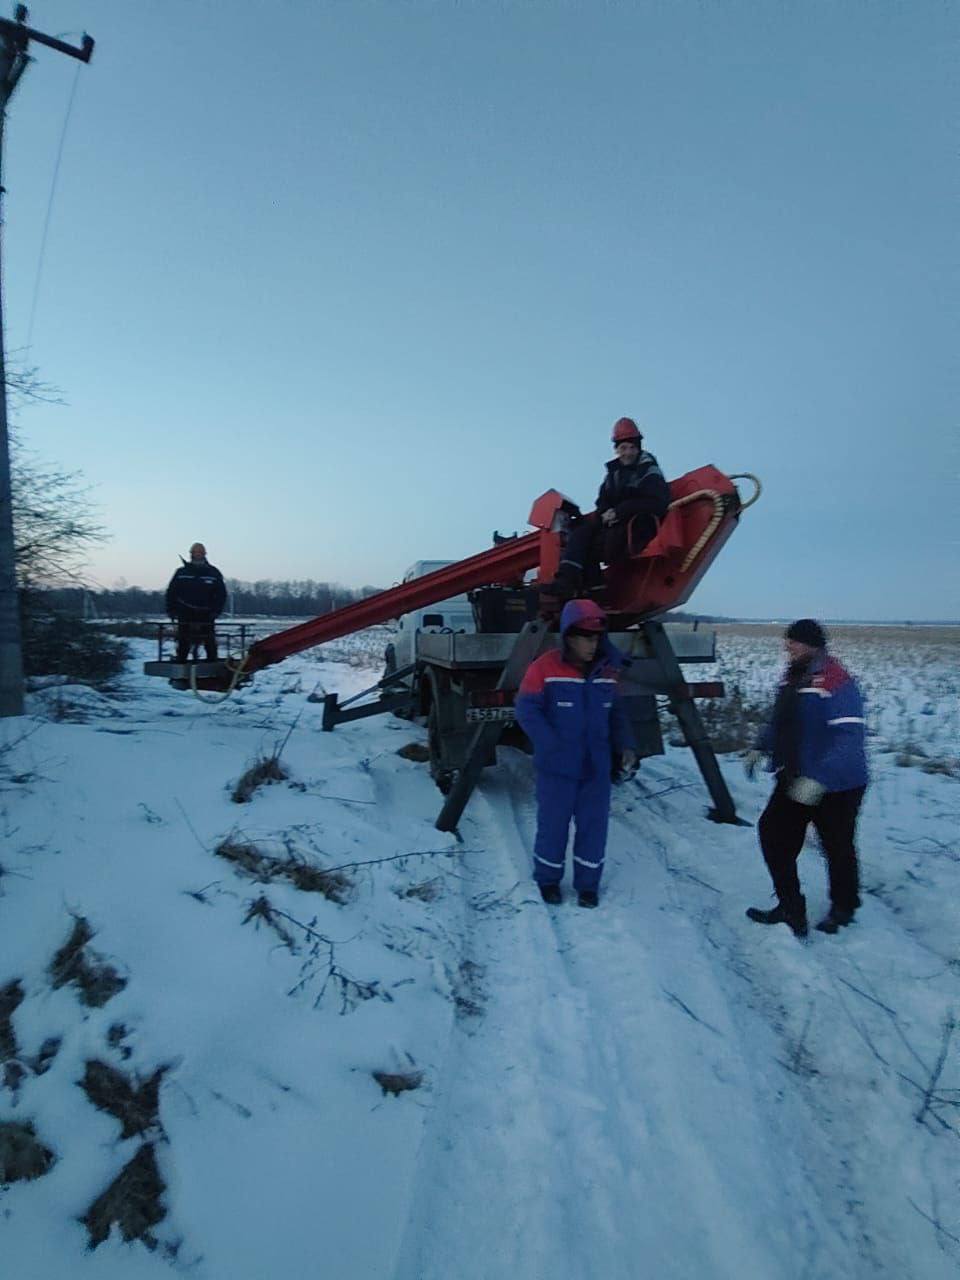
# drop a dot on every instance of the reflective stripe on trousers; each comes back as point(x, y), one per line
point(586, 802)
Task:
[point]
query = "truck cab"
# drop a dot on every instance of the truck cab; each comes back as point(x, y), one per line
point(454, 615)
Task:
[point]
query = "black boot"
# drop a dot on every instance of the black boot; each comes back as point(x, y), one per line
point(835, 919)
point(587, 898)
point(568, 583)
point(792, 913)
point(551, 893)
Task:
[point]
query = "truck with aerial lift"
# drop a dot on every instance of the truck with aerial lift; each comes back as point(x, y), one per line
point(457, 671)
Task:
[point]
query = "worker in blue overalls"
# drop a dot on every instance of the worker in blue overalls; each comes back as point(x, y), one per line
point(569, 706)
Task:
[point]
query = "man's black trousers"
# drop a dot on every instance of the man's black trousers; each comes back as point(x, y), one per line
point(589, 542)
point(783, 828)
point(193, 632)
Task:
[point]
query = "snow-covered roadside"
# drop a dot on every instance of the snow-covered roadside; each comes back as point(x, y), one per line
point(658, 1087)
point(683, 1093)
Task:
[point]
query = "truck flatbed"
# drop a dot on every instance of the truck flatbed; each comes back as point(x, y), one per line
point(455, 650)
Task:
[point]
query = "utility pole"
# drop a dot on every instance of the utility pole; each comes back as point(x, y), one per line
point(15, 40)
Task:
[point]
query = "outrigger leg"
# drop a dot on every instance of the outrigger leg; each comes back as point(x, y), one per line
point(684, 708)
point(334, 712)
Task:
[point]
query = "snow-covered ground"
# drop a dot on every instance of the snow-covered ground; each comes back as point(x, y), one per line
point(659, 1088)
point(910, 678)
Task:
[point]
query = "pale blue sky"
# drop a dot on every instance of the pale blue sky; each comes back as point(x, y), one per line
point(338, 286)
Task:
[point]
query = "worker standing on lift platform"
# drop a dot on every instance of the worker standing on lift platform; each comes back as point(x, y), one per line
point(569, 707)
point(195, 598)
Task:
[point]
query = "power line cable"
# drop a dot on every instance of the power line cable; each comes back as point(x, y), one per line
point(46, 221)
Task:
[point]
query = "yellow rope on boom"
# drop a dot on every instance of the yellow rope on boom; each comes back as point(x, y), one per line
point(709, 531)
point(218, 697)
point(717, 516)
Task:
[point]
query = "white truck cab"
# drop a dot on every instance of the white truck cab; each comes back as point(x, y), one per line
point(452, 615)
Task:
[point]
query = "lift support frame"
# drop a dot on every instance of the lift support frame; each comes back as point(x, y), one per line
point(667, 680)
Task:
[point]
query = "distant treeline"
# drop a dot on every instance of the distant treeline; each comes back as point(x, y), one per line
point(289, 599)
point(304, 598)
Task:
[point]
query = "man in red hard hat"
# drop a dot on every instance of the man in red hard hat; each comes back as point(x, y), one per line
point(625, 429)
point(569, 707)
point(632, 501)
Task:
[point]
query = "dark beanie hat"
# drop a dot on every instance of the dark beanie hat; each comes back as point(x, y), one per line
point(807, 632)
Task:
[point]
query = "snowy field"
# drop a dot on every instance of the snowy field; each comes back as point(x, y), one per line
point(910, 677)
point(310, 1036)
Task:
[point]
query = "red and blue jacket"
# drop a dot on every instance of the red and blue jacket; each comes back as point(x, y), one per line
point(575, 719)
point(830, 729)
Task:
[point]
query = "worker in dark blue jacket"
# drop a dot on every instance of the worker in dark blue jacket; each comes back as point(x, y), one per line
point(816, 744)
point(569, 706)
point(195, 598)
point(633, 499)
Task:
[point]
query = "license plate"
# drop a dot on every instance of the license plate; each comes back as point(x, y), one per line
point(479, 715)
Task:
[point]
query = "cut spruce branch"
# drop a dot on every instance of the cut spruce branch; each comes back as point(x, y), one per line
point(322, 958)
point(931, 1096)
point(399, 857)
point(934, 1222)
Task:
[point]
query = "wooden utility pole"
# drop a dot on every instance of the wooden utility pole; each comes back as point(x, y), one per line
point(15, 40)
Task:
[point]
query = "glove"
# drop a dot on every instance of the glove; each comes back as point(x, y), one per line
point(806, 791)
point(751, 763)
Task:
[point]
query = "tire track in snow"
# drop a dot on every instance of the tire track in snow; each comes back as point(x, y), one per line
point(586, 1128)
point(656, 1063)
point(819, 1173)
point(468, 1216)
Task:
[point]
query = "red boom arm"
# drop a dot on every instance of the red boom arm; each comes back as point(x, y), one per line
point(660, 576)
point(507, 562)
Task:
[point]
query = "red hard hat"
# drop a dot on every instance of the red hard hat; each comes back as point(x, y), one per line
point(625, 429)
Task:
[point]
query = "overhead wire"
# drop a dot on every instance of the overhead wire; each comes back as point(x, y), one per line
point(46, 221)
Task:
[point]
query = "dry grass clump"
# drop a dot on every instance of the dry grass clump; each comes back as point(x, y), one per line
point(243, 854)
point(417, 751)
point(731, 723)
point(48, 1051)
point(22, 1155)
point(132, 1202)
point(96, 980)
point(916, 759)
point(115, 1038)
point(11, 997)
point(469, 997)
point(397, 1082)
point(425, 891)
point(332, 884)
point(266, 868)
point(136, 1105)
point(262, 772)
point(13, 1062)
